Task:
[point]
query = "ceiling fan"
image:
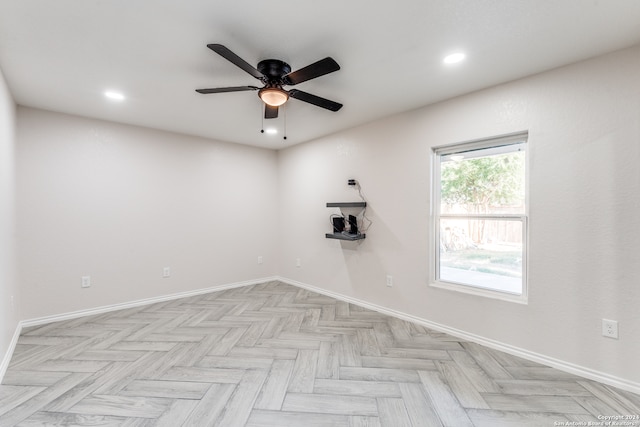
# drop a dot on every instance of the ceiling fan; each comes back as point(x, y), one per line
point(274, 74)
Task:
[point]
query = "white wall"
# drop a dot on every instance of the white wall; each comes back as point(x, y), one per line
point(9, 295)
point(584, 134)
point(119, 203)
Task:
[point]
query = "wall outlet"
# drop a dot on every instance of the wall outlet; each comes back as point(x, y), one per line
point(389, 280)
point(298, 262)
point(86, 281)
point(610, 328)
point(260, 260)
point(166, 272)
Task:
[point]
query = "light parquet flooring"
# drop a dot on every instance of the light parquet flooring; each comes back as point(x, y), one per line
point(274, 355)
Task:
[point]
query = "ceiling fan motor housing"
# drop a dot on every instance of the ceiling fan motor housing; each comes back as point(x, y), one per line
point(274, 70)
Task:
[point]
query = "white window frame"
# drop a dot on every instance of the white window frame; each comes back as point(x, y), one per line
point(437, 152)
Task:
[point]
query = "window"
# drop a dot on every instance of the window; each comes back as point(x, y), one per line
point(480, 216)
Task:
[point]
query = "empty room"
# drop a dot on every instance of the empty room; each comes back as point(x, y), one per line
point(266, 214)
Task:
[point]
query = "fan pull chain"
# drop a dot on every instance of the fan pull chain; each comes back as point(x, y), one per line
point(285, 122)
point(262, 107)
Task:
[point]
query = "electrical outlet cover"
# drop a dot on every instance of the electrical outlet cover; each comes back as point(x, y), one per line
point(610, 328)
point(86, 281)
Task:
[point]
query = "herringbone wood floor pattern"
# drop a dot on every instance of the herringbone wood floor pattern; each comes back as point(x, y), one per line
point(275, 355)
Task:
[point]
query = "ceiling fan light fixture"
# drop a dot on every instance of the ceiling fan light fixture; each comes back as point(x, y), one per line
point(273, 96)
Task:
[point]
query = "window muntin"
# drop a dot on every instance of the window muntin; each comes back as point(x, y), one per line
point(481, 215)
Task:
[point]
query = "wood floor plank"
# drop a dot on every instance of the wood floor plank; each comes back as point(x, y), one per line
point(490, 418)
point(367, 343)
point(234, 362)
point(262, 418)
point(356, 388)
point(275, 388)
point(109, 355)
point(361, 421)
point(50, 419)
point(304, 372)
point(541, 387)
point(168, 389)
point(311, 317)
point(71, 365)
point(208, 375)
point(327, 312)
point(144, 345)
point(328, 361)
point(199, 351)
point(31, 378)
point(240, 404)
point(392, 412)
point(252, 334)
point(415, 353)
point(383, 334)
point(490, 365)
point(447, 407)
point(209, 408)
point(263, 352)
point(397, 363)
point(419, 406)
point(330, 404)
point(559, 404)
point(378, 374)
point(121, 406)
point(176, 414)
point(461, 387)
point(348, 351)
point(539, 373)
point(227, 342)
point(285, 343)
point(481, 380)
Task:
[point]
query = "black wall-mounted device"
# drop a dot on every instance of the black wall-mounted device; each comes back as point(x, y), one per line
point(353, 225)
point(338, 224)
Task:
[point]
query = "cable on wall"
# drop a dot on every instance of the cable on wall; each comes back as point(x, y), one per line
point(365, 226)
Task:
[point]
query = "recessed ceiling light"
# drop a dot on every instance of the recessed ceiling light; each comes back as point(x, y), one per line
point(271, 131)
point(116, 96)
point(454, 58)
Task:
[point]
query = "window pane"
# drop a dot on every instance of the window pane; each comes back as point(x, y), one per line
point(483, 181)
point(482, 253)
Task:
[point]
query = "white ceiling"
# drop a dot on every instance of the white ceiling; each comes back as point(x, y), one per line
point(62, 55)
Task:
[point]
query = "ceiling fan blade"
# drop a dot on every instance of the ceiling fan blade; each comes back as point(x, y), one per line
point(317, 69)
point(226, 89)
point(315, 100)
point(270, 112)
point(235, 59)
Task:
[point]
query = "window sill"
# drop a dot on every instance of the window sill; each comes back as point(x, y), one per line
point(465, 289)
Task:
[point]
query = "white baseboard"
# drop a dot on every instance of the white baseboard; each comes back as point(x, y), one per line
point(7, 356)
point(114, 307)
point(571, 368)
point(562, 365)
point(137, 303)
